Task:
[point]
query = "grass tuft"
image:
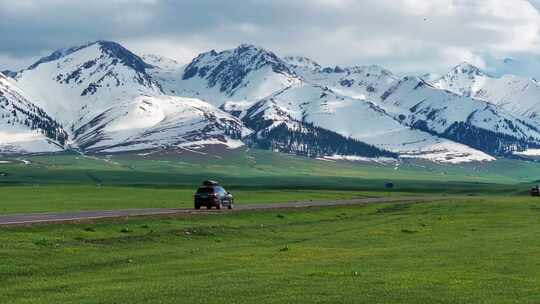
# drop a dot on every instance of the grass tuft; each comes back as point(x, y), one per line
point(408, 231)
point(393, 208)
point(43, 242)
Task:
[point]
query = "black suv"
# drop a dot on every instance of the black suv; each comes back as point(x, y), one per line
point(211, 194)
point(535, 191)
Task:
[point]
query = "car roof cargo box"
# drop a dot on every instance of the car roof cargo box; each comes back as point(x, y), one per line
point(210, 183)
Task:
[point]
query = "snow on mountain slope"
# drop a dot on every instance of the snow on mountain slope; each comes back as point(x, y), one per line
point(240, 79)
point(109, 100)
point(517, 95)
point(150, 122)
point(442, 112)
point(25, 128)
point(247, 73)
point(299, 62)
point(360, 82)
point(104, 94)
point(78, 84)
point(167, 72)
point(474, 122)
point(351, 118)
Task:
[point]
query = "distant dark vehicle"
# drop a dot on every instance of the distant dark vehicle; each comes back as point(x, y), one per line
point(535, 191)
point(211, 194)
point(389, 185)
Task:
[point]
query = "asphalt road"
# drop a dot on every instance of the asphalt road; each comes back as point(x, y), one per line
point(62, 217)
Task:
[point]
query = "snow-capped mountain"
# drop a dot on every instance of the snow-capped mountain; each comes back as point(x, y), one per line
point(476, 123)
point(312, 108)
point(156, 122)
point(360, 82)
point(106, 99)
point(432, 109)
point(209, 77)
point(246, 73)
point(312, 99)
point(306, 82)
point(101, 97)
point(24, 127)
point(98, 74)
point(517, 95)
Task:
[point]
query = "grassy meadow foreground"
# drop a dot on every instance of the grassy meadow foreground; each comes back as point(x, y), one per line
point(476, 242)
point(478, 250)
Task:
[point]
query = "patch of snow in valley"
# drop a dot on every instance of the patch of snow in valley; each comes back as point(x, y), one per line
point(228, 143)
point(449, 152)
point(18, 140)
point(380, 160)
point(529, 152)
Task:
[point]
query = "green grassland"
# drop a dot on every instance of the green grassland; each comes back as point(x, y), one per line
point(250, 168)
point(477, 243)
point(471, 250)
point(67, 182)
point(49, 198)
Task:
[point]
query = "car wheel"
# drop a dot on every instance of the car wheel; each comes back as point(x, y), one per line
point(219, 205)
point(197, 206)
point(208, 206)
point(230, 206)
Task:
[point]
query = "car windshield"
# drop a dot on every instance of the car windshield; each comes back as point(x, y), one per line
point(205, 190)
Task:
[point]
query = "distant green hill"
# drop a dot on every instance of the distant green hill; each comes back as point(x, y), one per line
point(256, 168)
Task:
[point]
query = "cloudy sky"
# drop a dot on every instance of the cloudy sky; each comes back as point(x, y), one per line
point(406, 36)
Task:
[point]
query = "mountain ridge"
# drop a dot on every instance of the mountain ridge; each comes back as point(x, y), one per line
point(120, 101)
